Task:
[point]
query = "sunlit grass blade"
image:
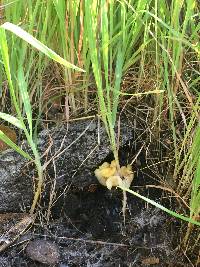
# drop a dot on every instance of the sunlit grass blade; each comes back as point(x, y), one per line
point(5, 58)
point(195, 199)
point(10, 143)
point(25, 97)
point(38, 45)
point(11, 119)
point(91, 27)
point(117, 84)
point(105, 39)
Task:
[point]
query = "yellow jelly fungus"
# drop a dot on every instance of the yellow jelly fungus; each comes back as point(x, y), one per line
point(108, 175)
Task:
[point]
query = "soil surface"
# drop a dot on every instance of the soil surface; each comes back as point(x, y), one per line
point(89, 230)
point(86, 227)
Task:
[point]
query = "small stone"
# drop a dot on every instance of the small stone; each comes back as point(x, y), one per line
point(43, 251)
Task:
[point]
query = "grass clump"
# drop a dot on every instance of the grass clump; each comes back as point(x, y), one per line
point(24, 123)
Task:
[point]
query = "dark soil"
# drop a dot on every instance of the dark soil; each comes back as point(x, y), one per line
point(86, 228)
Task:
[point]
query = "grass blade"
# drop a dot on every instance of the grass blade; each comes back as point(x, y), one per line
point(10, 143)
point(38, 45)
point(170, 212)
point(11, 119)
point(5, 57)
point(25, 97)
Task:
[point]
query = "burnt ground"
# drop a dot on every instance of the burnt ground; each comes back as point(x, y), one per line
point(91, 232)
point(87, 228)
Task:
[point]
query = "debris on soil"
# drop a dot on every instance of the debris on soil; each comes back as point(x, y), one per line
point(85, 226)
point(72, 150)
point(150, 261)
point(9, 236)
point(94, 234)
point(43, 251)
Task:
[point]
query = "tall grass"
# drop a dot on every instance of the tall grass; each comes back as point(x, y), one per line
point(70, 40)
point(177, 36)
point(173, 40)
point(57, 23)
point(112, 32)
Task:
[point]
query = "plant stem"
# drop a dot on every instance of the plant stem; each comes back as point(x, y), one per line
point(39, 185)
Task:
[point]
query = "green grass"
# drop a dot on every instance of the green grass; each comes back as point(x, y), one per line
point(106, 38)
point(24, 122)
